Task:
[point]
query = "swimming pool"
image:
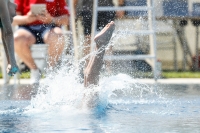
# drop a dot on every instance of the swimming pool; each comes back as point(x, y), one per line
point(124, 105)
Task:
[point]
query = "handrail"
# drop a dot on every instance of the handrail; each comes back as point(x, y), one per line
point(151, 31)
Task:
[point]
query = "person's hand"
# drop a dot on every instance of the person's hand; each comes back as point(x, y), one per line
point(30, 17)
point(45, 17)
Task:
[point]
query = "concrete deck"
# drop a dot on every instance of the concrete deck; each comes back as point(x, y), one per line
point(181, 81)
point(24, 91)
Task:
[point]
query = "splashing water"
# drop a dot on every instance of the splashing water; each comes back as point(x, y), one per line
point(119, 103)
point(61, 88)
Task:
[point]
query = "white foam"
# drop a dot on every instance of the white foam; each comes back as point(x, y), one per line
point(62, 91)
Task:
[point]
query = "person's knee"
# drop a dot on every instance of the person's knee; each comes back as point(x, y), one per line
point(55, 37)
point(56, 32)
point(21, 42)
point(22, 39)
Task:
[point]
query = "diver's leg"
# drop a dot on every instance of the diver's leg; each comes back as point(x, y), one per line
point(23, 40)
point(56, 42)
point(92, 71)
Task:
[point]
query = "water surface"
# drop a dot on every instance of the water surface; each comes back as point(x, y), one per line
point(124, 105)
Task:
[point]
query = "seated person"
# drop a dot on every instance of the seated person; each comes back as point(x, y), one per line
point(7, 12)
point(44, 27)
point(92, 71)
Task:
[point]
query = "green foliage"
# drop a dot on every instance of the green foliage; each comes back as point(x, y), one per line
point(165, 74)
point(24, 75)
point(180, 74)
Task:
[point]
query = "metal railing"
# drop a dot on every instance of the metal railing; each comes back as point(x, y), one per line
point(151, 32)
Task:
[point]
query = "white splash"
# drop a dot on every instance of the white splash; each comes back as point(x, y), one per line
point(61, 91)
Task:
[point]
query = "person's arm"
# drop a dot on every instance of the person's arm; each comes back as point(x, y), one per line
point(61, 20)
point(62, 17)
point(63, 13)
point(24, 19)
point(48, 19)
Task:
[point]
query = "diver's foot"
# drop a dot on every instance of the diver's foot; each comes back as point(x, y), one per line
point(104, 36)
point(12, 70)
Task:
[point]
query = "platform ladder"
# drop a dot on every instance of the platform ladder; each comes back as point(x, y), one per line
point(151, 32)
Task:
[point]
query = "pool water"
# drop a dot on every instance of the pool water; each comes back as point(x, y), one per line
point(123, 105)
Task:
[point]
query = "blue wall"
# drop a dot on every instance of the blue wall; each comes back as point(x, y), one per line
point(175, 8)
point(170, 8)
point(136, 3)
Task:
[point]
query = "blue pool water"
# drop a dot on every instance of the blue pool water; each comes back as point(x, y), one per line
point(124, 105)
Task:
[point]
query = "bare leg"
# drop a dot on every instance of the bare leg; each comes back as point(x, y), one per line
point(108, 63)
point(56, 42)
point(86, 49)
point(92, 71)
point(23, 40)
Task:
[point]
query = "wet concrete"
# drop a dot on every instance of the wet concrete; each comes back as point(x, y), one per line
point(26, 91)
point(17, 92)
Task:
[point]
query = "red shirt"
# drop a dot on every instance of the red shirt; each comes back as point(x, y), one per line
point(54, 7)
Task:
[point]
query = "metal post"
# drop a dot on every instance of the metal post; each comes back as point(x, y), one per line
point(197, 51)
point(151, 19)
point(73, 28)
point(94, 23)
point(175, 45)
point(5, 75)
point(150, 31)
point(175, 53)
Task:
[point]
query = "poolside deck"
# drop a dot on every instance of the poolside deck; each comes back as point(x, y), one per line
point(178, 81)
point(24, 91)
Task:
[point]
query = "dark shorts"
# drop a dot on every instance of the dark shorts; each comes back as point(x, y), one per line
point(38, 31)
point(103, 19)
